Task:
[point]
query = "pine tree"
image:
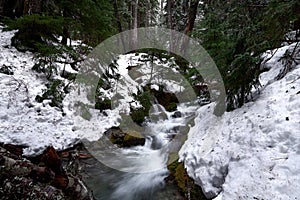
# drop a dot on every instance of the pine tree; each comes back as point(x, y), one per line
point(237, 32)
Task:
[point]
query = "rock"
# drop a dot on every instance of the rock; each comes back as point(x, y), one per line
point(130, 140)
point(15, 188)
point(201, 89)
point(6, 70)
point(122, 139)
point(186, 185)
point(177, 114)
point(166, 99)
point(21, 178)
point(52, 160)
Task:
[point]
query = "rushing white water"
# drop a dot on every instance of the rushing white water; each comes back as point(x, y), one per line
point(139, 172)
point(160, 131)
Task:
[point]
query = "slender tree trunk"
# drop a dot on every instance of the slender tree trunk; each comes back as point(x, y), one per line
point(170, 5)
point(117, 15)
point(135, 23)
point(192, 14)
point(147, 13)
point(169, 14)
point(65, 35)
point(161, 9)
point(118, 19)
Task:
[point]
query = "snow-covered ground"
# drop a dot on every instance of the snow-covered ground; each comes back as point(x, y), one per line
point(23, 120)
point(252, 152)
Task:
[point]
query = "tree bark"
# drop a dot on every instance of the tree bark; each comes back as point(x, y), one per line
point(118, 19)
point(192, 14)
point(134, 36)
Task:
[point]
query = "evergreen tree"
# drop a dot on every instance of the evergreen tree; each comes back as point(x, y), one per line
point(237, 32)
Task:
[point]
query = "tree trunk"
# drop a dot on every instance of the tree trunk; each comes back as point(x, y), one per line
point(118, 19)
point(134, 36)
point(147, 13)
point(192, 14)
point(170, 5)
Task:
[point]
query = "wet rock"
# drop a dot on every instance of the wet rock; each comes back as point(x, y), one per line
point(177, 114)
point(123, 139)
point(6, 70)
point(52, 160)
point(166, 99)
point(15, 188)
point(186, 185)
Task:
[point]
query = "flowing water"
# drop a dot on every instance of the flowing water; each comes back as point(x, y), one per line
point(148, 161)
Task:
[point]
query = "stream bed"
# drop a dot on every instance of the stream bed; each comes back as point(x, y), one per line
point(141, 171)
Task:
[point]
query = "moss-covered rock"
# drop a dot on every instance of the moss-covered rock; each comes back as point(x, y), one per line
point(123, 139)
point(138, 115)
point(185, 184)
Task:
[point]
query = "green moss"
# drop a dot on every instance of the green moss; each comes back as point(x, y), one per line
point(123, 139)
point(138, 115)
point(116, 140)
point(185, 184)
point(172, 106)
point(103, 104)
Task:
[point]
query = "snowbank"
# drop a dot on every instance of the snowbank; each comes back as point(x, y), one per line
point(23, 120)
point(252, 152)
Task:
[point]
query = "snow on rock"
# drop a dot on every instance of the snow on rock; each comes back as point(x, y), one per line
point(142, 73)
point(252, 152)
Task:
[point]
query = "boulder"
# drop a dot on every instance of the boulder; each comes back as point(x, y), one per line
point(124, 139)
point(6, 70)
point(166, 99)
point(177, 114)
